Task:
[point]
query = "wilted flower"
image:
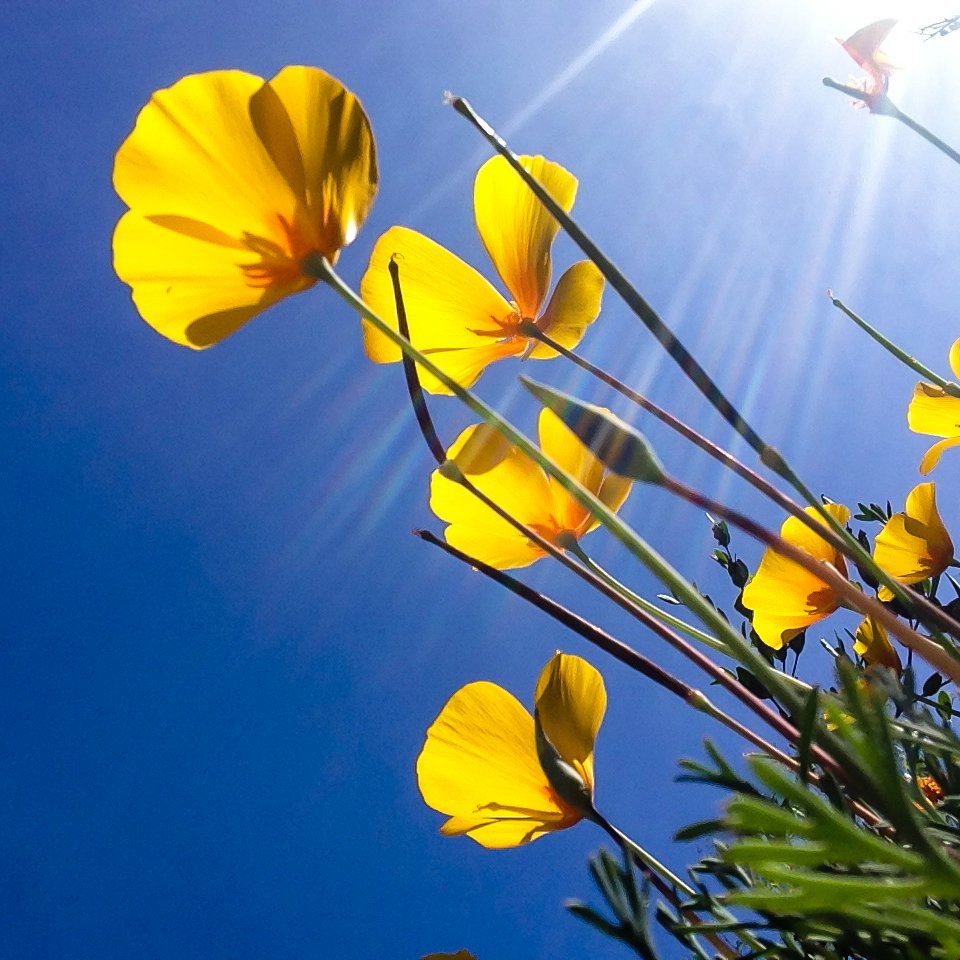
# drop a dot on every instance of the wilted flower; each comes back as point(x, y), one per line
point(935, 412)
point(865, 48)
point(785, 597)
point(914, 545)
point(455, 315)
point(234, 185)
point(522, 488)
point(479, 764)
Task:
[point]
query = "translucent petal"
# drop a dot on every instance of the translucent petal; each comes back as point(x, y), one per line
point(479, 764)
point(517, 484)
point(453, 313)
point(933, 412)
point(571, 700)
point(334, 146)
point(786, 598)
point(873, 644)
point(954, 358)
point(573, 306)
point(515, 227)
point(186, 285)
point(194, 153)
point(932, 457)
point(914, 545)
point(562, 446)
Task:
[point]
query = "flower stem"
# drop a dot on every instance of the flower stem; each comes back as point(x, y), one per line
point(836, 534)
point(852, 596)
point(912, 362)
point(684, 591)
point(768, 455)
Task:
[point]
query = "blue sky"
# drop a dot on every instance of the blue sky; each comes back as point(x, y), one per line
point(221, 645)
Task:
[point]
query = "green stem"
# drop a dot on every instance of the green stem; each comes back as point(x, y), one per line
point(948, 386)
point(658, 869)
point(570, 543)
point(836, 535)
point(769, 456)
point(631, 296)
point(681, 588)
point(882, 105)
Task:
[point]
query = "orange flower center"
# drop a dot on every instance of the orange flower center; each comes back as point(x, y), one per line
point(280, 262)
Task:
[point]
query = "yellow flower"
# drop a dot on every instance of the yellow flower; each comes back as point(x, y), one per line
point(873, 644)
point(232, 183)
point(914, 545)
point(935, 412)
point(455, 315)
point(511, 479)
point(784, 597)
point(479, 764)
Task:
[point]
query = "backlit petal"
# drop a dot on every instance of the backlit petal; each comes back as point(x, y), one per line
point(785, 598)
point(932, 457)
point(934, 412)
point(336, 151)
point(188, 283)
point(516, 229)
point(573, 306)
point(562, 446)
point(914, 545)
point(450, 307)
point(873, 644)
point(194, 153)
point(479, 766)
point(571, 700)
point(954, 358)
point(517, 484)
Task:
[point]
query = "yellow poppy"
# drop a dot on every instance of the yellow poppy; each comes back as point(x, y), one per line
point(786, 598)
point(479, 764)
point(914, 545)
point(935, 412)
point(873, 644)
point(233, 182)
point(512, 480)
point(454, 314)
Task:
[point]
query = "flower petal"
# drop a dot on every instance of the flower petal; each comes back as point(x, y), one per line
point(453, 313)
point(786, 598)
point(914, 545)
point(479, 765)
point(516, 228)
point(873, 644)
point(516, 483)
point(954, 358)
point(563, 446)
point(574, 305)
point(934, 412)
point(932, 457)
point(333, 147)
point(194, 153)
point(571, 700)
point(188, 282)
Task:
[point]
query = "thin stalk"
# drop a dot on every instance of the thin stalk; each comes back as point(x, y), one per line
point(657, 869)
point(948, 386)
point(847, 544)
point(616, 648)
point(881, 104)
point(684, 591)
point(848, 592)
point(644, 604)
point(768, 455)
point(631, 296)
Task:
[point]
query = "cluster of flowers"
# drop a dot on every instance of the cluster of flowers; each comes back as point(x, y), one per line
point(242, 191)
